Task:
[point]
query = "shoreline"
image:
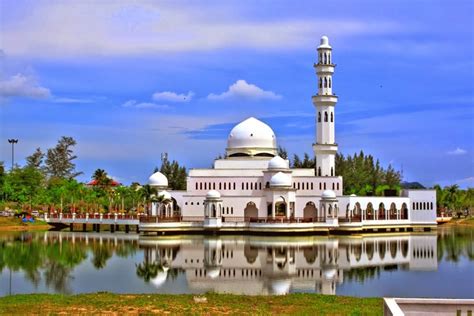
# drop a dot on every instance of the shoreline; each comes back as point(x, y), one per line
point(11, 224)
point(204, 304)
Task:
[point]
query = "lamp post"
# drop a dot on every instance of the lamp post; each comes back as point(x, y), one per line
point(13, 142)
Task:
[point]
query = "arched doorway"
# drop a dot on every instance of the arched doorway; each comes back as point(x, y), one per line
point(381, 211)
point(356, 213)
point(280, 209)
point(310, 211)
point(393, 211)
point(404, 211)
point(250, 211)
point(370, 214)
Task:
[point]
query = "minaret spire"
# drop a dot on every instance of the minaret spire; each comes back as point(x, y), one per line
point(325, 101)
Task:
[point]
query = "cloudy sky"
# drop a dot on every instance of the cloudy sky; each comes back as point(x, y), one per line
point(132, 79)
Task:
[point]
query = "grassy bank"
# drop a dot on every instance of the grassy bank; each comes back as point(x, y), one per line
point(15, 224)
point(464, 222)
point(107, 303)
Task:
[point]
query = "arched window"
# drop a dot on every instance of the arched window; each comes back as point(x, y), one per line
point(329, 82)
point(225, 186)
point(319, 172)
point(325, 82)
point(324, 185)
point(332, 171)
point(332, 117)
point(234, 185)
point(414, 206)
point(298, 186)
point(319, 117)
point(333, 186)
point(320, 186)
point(260, 186)
point(196, 185)
point(325, 58)
point(320, 58)
point(267, 185)
point(329, 58)
point(337, 186)
point(325, 116)
point(220, 185)
point(251, 185)
point(246, 186)
point(320, 82)
point(311, 185)
point(242, 185)
point(205, 185)
point(431, 205)
point(200, 185)
point(214, 186)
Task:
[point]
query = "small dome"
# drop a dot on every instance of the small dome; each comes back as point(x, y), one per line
point(352, 194)
point(213, 194)
point(160, 279)
point(280, 179)
point(280, 287)
point(324, 43)
point(251, 137)
point(330, 274)
point(278, 163)
point(213, 272)
point(329, 194)
point(165, 194)
point(158, 180)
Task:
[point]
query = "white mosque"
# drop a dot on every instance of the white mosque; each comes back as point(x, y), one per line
point(253, 189)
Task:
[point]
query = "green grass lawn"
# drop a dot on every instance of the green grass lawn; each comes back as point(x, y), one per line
point(13, 223)
point(107, 303)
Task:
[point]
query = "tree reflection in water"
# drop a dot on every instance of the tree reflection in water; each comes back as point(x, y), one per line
point(51, 258)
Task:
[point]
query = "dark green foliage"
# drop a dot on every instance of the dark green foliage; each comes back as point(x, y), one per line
point(60, 160)
point(364, 176)
point(174, 172)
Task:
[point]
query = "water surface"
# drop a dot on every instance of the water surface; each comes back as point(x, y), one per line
point(439, 264)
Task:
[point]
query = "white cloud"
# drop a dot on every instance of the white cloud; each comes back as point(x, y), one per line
point(243, 90)
point(143, 27)
point(457, 151)
point(172, 96)
point(71, 100)
point(20, 85)
point(143, 105)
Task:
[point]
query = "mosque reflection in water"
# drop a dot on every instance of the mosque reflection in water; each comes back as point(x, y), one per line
point(273, 266)
point(225, 264)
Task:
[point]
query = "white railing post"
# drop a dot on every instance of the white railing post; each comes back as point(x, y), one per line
point(101, 216)
point(73, 216)
point(60, 216)
point(115, 217)
point(87, 217)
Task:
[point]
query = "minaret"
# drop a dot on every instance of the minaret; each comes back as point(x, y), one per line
point(325, 101)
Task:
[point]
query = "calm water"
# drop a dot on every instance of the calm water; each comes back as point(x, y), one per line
point(439, 264)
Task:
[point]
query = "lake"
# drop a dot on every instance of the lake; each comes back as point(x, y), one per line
point(436, 264)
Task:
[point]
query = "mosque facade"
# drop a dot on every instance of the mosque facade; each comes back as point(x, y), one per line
point(253, 189)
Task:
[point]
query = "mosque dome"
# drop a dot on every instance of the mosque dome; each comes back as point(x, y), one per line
point(328, 194)
point(158, 180)
point(160, 279)
point(165, 194)
point(280, 179)
point(251, 138)
point(278, 163)
point(213, 272)
point(330, 274)
point(324, 43)
point(280, 287)
point(213, 194)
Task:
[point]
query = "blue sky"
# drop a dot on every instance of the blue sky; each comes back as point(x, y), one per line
point(132, 79)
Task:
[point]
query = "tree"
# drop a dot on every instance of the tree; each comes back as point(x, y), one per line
point(60, 160)
point(282, 152)
point(35, 160)
point(102, 178)
point(175, 173)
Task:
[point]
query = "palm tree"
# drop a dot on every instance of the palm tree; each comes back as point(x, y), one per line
point(101, 177)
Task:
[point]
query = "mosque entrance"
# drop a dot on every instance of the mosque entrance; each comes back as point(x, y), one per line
point(310, 211)
point(280, 209)
point(250, 211)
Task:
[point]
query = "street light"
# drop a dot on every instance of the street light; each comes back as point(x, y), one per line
point(13, 142)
